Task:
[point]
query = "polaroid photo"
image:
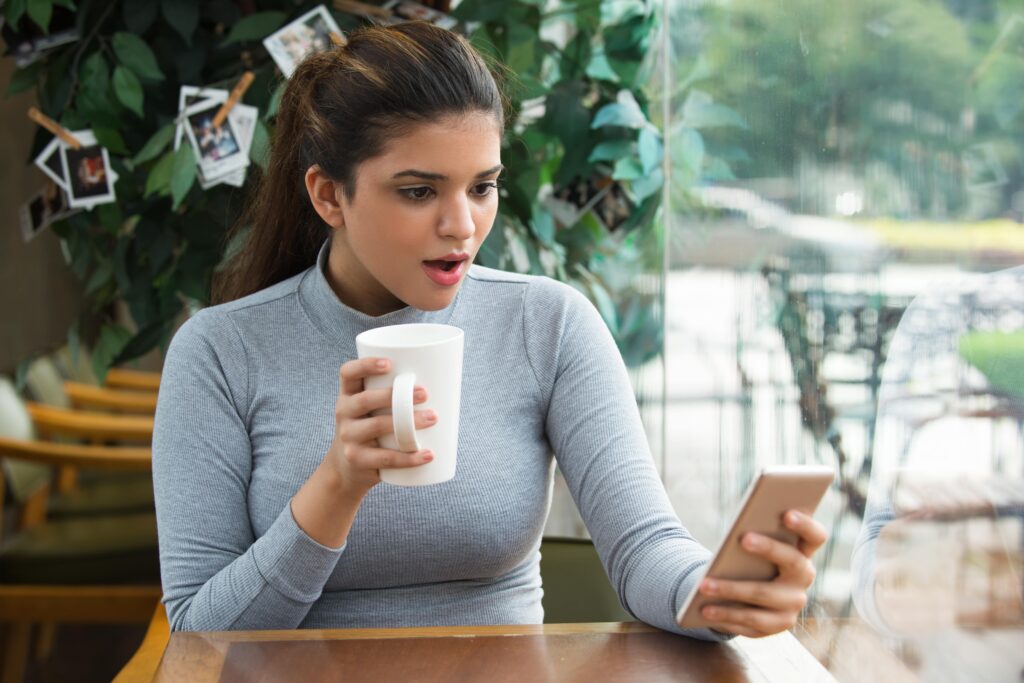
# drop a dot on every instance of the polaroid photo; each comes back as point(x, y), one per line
point(51, 163)
point(90, 181)
point(243, 119)
point(47, 206)
point(309, 34)
point(407, 10)
point(191, 96)
point(218, 151)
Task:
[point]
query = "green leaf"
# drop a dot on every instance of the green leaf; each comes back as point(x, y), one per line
point(543, 224)
point(688, 150)
point(128, 89)
point(614, 149)
point(24, 79)
point(110, 217)
point(155, 145)
point(66, 4)
point(255, 27)
point(600, 69)
point(14, 10)
point(275, 101)
point(133, 53)
point(159, 179)
point(111, 139)
point(647, 185)
point(139, 15)
point(182, 15)
point(40, 11)
point(183, 174)
point(113, 338)
point(650, 148)
point(21, 374)
point(259, 152)
point(700, 111)
point(100, 277)
point(624, 112)
point(628, 168)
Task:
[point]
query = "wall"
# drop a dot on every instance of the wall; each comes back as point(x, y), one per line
point(39, 296)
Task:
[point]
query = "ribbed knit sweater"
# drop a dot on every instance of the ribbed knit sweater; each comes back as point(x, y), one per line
point(246, 413)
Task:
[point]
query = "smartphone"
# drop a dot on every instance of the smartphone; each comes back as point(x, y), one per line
point(775, 491)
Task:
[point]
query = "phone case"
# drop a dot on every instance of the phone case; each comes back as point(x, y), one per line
point(775, 491)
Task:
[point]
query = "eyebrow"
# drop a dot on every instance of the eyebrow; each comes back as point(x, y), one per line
point(426, 175)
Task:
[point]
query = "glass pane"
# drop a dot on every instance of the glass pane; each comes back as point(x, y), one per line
point(846, 185)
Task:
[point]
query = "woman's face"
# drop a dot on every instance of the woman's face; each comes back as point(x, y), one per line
point(419, 214)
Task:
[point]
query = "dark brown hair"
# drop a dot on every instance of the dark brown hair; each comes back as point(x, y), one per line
point(340, 108)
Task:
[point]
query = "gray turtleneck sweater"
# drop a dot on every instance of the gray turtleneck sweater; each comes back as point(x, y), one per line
point(246, 413)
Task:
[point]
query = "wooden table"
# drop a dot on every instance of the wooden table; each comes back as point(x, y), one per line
point(536, 653)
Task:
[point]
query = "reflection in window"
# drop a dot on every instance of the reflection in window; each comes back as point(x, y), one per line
point(843, 176)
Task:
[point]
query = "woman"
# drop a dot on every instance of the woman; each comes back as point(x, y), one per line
point(381, 188)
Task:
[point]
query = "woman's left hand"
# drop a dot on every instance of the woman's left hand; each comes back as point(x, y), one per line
point(772, 606)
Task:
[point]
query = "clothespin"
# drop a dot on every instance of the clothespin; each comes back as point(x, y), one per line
point(54, 127)
point(355, 7)
point(338, 39)
point(233, 98)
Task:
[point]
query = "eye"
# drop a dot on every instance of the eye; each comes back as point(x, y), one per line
point(417, 194)
point(484, 189)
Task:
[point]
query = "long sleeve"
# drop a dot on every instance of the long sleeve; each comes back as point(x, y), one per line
point(594, 428)
point(216, 575)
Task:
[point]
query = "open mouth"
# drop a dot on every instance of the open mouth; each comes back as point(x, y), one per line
point(446, 266)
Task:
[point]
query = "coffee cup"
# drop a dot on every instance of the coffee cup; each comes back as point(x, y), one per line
point(427, 355)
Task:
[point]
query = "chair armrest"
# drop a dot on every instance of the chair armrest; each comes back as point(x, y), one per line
point(136, 380)
point(141, 668)
point(76, 455)
point(120, 400)
point(51, 420)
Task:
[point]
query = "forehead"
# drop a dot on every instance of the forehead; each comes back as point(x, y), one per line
point(453, 145)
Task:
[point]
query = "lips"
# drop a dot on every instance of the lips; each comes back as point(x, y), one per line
point(446, 271)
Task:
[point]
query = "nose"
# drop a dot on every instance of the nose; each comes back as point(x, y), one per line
point(456, 219)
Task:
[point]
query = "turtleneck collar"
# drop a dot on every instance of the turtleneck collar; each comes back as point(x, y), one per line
point(339, 321)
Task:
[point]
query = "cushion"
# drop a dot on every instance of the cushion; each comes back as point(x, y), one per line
point(113, 549)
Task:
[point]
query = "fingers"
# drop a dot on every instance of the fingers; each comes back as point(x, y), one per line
point(772, 595)
point(794, 566)
point(748, 621)
point(353, 372)
point(365, 402)
point(370, 428)
point(362, 457)
point(812, 534)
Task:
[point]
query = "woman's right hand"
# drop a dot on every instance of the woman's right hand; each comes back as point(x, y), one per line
point(355, 453)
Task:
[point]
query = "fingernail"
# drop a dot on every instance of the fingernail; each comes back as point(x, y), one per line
point(427, 456)
point(420, 394)
point(430, 416)
point(753, 542)
point(710, 586)
point(382, 364)
point(793, 517)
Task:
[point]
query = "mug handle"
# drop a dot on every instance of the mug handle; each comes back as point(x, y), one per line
point(402, 412)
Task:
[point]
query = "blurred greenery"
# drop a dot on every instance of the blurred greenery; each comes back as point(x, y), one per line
point(917, 101)
point(579, 200)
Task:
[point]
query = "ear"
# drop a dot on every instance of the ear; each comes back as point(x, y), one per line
point(326, 196)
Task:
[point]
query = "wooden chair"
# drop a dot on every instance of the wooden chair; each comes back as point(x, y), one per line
point(87, 396)
point(141, 668)
point(133, 380)
point(95, 566)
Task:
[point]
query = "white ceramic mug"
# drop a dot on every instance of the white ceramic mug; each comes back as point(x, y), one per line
point(429, 356)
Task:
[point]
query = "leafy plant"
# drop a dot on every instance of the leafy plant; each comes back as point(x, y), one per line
point(584, 161)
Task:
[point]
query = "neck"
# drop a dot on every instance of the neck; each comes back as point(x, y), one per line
point(353, 284)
